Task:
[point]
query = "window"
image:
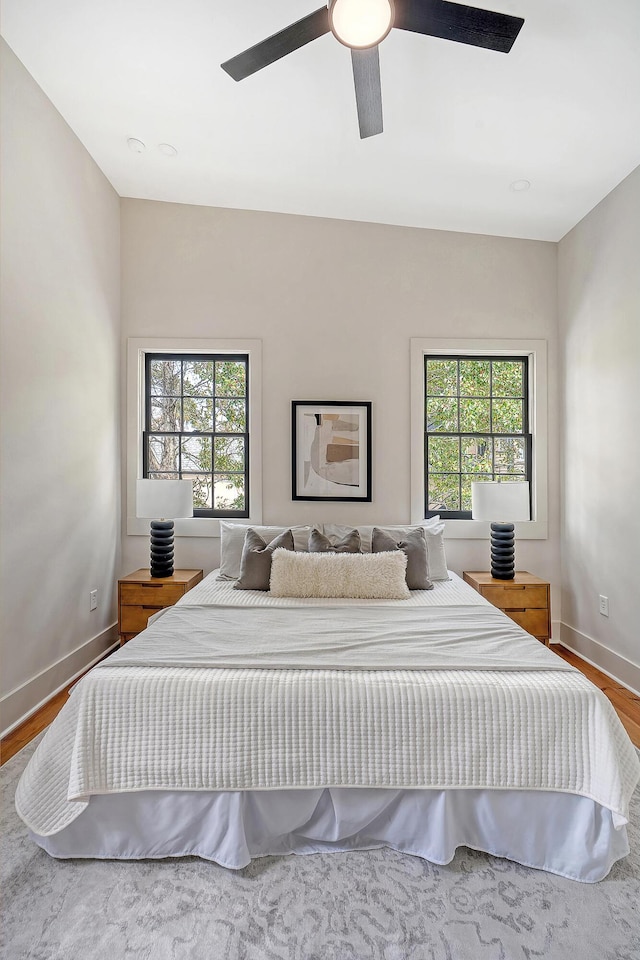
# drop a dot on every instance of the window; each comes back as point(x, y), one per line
point(197, 428)
point(478, 411)
point(194, 410)
point(476, 427)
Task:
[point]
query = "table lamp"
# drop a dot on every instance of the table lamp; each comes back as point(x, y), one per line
point(502, 503)
point(163, 501)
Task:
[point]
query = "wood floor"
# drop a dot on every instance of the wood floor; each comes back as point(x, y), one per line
point(626, 703)
point(36, 723)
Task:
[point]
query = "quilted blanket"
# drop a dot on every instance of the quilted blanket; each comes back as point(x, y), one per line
point(523, 720)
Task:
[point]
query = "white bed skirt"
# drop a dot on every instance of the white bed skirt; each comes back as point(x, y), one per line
point(565, 834)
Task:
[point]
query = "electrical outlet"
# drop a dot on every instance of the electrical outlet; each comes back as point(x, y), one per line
point(93, 600)
point(604, 606)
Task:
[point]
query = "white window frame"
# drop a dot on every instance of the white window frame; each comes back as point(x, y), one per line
point(536, 351)
point(137, 348)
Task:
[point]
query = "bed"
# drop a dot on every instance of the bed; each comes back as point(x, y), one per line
point(240, 724)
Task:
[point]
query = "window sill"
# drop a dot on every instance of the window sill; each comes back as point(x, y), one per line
point(481, 530)
point(191, 527)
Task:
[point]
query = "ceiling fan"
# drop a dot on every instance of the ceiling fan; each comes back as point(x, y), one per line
point(362, 24)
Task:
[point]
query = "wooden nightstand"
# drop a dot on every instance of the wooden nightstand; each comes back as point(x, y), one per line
point(140, 596)
point(526, 599)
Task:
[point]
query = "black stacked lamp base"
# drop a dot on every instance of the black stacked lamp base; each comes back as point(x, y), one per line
point(161, 564)
point(502, 551)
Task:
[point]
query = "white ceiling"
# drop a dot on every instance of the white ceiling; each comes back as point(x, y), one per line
point(461, 123)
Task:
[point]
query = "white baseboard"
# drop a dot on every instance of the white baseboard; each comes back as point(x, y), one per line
point(601, 657)
point(19, 704)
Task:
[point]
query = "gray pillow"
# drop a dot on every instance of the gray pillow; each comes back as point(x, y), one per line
point(350, 543)
point(414, 545)
point(255, 564)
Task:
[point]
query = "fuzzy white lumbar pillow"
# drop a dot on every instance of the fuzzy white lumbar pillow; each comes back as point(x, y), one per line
point(363, 576)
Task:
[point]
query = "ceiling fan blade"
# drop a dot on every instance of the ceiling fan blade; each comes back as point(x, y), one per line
point(366, 78)
point(279, 45)
point(455, 21)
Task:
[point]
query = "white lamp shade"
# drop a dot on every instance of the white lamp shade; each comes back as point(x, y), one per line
point(164, 499)
point(500, 502)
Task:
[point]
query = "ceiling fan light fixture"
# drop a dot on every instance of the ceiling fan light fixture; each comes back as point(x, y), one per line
point(359, 24)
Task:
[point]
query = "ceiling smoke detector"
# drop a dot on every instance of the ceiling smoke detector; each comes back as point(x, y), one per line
point(136, 146)
point(167, 150)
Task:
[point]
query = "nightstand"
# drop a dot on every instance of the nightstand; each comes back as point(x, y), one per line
point(526, 599)
point(140, 596)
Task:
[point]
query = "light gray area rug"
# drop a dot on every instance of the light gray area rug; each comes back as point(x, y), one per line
point(377, 905)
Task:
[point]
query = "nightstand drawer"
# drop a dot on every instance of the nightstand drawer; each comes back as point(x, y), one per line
point(524, 599)
point(157, 594)
point(140, 596)
point(134, 619)
point(533, 621)
point(516, 596)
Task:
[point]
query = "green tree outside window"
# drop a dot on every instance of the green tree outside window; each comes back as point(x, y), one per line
point(476, 428)
point(196, 428)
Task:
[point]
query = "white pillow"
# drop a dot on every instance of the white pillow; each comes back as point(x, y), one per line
point(363, 576)
point(436, 557)
point(232, 541)
point(433, 530)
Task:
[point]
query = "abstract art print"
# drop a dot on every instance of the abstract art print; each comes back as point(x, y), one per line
point(331, 450)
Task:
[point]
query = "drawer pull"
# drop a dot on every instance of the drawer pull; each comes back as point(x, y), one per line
point(151, 586)
point(515, 609)
point(146, 606)
point(515, 586)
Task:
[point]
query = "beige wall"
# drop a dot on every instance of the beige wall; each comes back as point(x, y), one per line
point(60, 398)
point(335, 304)
point(599, 321)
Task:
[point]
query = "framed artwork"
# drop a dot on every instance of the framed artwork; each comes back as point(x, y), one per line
point(331, 450)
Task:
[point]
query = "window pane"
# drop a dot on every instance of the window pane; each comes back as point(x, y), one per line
point(444, 492)
point(475, 378)
point(442, 415)
point(475, 423)
point(165, 378)
point(162, 454)
point(197, 414)
point(476, 455)
point(196, 454)
point(442, 377)
point(202, 486)
point(231, 379)
point(508, 378)
point(508, 416)
point(198, 378)
point(509, 455)
point(475, 416)
point(230, 416)
point(444, 454)
point(228, 492)
point(229, 454)
point(163, 476)
point(196, 418)
point(165, 414)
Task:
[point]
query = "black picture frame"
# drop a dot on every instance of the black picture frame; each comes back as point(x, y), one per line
point(323, 434)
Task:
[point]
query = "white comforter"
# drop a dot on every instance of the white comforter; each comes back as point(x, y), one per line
point(271, 702)
point(351, 638)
